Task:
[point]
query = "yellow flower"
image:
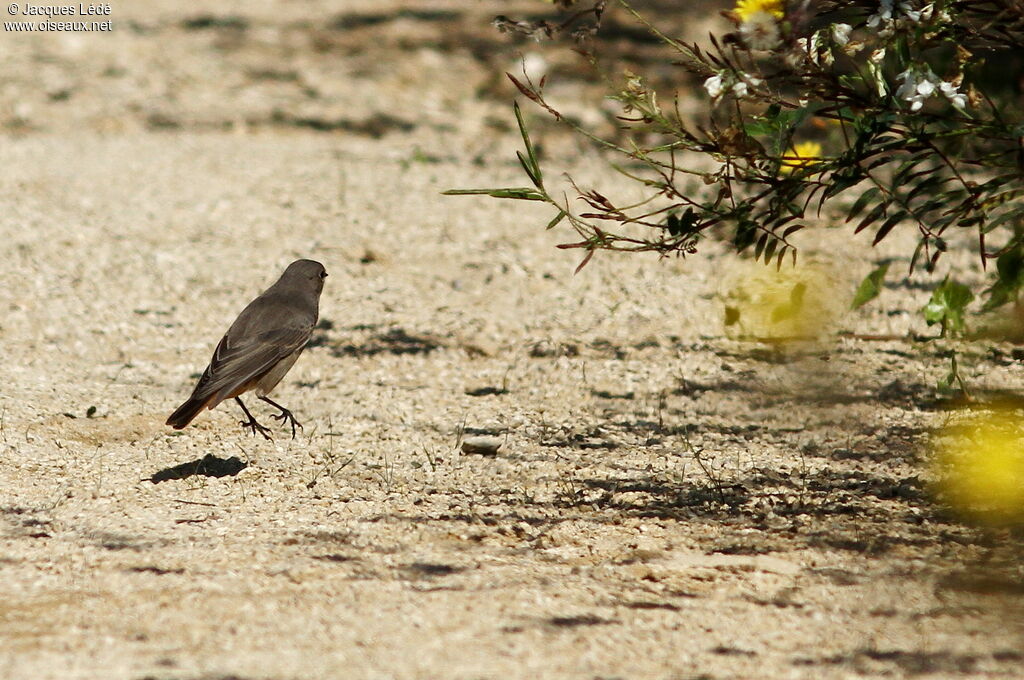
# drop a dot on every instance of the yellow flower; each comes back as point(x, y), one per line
point(980, 466)
point(800, 156)
point(746, 8)
point(794, 304)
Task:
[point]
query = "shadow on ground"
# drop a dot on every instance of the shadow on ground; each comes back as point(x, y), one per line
point(207, 466)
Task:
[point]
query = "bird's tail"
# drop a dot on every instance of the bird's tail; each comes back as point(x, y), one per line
point(186, 412)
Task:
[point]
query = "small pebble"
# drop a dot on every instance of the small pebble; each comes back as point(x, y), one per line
point(483, 445)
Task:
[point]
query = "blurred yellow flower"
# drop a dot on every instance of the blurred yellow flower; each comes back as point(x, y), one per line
point(792, 304)
point(980, 463)
point(746, 8)
point(800, 156)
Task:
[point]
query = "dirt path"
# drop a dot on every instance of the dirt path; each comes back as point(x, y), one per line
point(667, 502)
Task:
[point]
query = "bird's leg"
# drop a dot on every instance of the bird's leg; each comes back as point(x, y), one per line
point(285, 414)
point(251, 423)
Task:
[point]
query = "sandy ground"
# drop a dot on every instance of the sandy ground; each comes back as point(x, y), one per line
point(668, 501)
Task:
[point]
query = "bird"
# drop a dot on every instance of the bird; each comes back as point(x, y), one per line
point(260, 347)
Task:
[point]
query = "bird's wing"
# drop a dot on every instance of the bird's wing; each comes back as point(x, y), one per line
point(237, 361)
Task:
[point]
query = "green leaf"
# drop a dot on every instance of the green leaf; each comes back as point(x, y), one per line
point(870, 287)
point(557, 218)
point(759, 248)
point(759, 128)
point(888, 226)
point(1013, 213)
point(931, 184)
point(766, 124)
point(862, 202)
point(531, 172)
point(531, 153)
point(947, 306)
point(745, 233)
point(1009, 279)
point(876, 213)
point(792, 230)
point(792, 118)
point(520, 193)
point(842, 182)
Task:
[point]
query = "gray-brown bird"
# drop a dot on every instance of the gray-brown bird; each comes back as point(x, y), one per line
point(260, 346)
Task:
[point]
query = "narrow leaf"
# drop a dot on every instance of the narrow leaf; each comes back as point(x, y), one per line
point(862, 202)
point(521, 193)
point(888, 226)
point(530, 170)
point(792, 230)
point(590, 254)
point(871, 217)
point(870, 287)
point(531, 153)
point(558, 218)
point(759, 248)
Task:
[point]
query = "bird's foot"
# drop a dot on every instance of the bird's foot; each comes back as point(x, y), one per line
point(255, 427)
point(285, 416)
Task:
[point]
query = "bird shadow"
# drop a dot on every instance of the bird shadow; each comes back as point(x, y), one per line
point(207, 466)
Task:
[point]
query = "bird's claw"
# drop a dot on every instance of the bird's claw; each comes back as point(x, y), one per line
point(255, 427)
point(286, 416)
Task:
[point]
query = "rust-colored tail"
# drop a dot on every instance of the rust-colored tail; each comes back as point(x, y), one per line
point(186, 412)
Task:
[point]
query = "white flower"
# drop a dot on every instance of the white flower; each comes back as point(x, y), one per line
point(883, 22)
point(841, 34)
point(909, 12)
point(877, 56)
point(921, 83)
point(951, 92)
point(884, 15)
point(740, 89)
point(916, 15)
point(914, 89)
point(714, 85)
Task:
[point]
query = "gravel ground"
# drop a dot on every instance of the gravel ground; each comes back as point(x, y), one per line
point(670, 499)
